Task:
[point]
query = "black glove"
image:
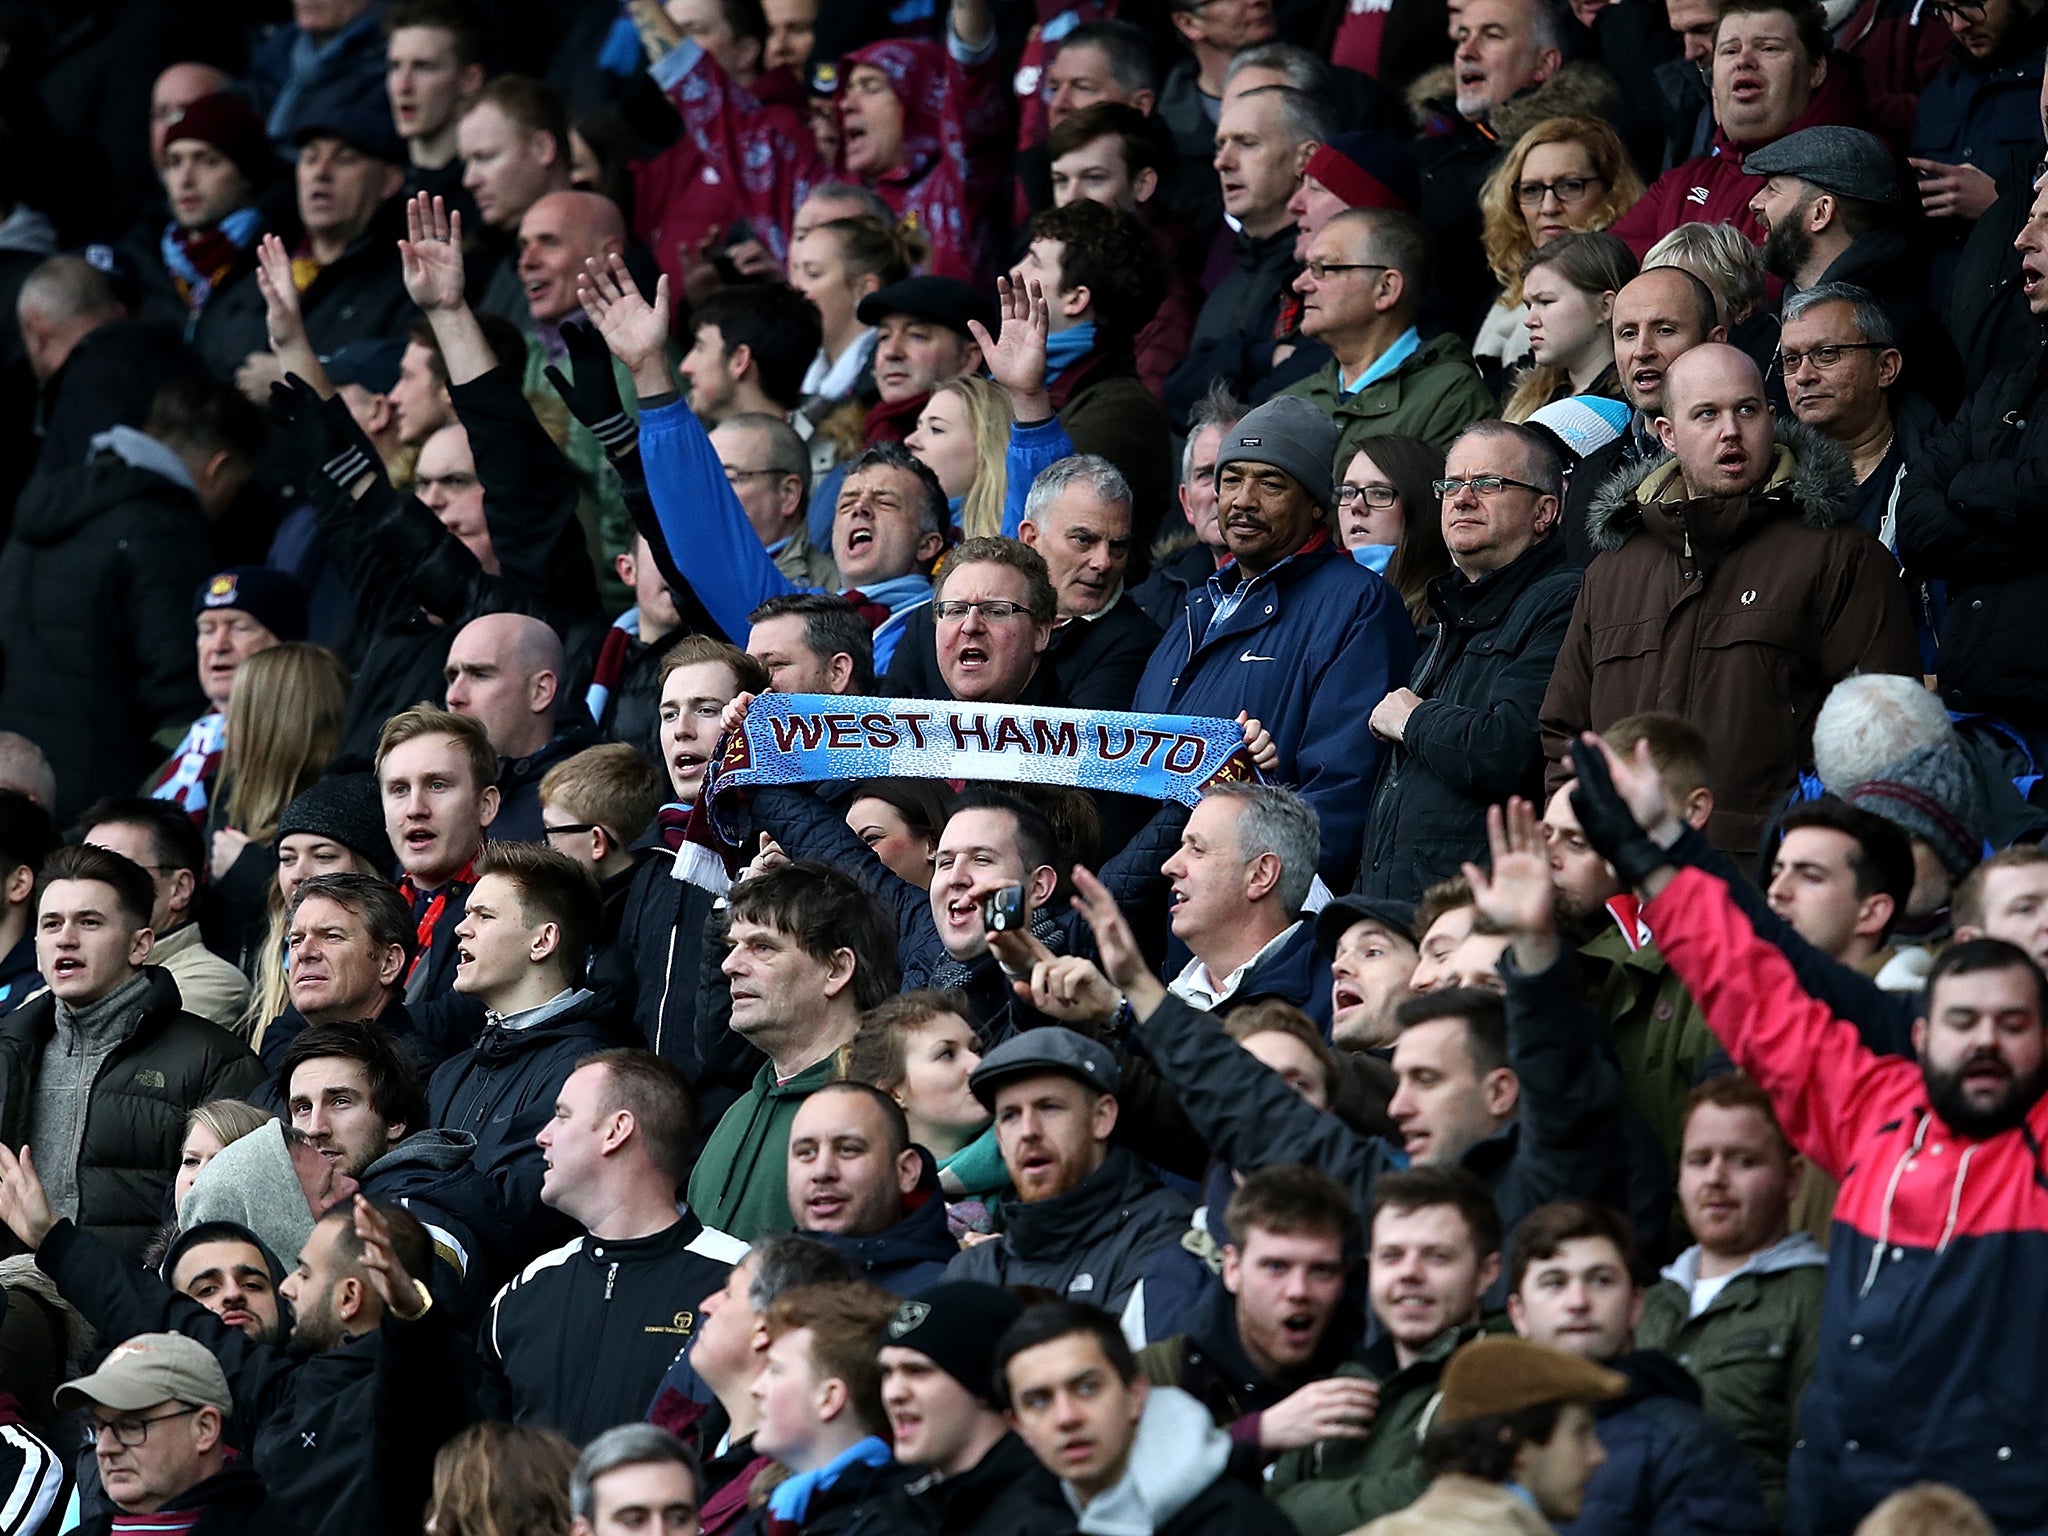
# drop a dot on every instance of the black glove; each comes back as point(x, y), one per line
point(1610, 826)
point(325, 435)
point(593, 394)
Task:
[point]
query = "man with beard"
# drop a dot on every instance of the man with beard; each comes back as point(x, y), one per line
point(1662, 1041)
point(312, 1412)
point(1372, 953)
point(1941, 1203)
point(1828, 205)
point(223, 1266)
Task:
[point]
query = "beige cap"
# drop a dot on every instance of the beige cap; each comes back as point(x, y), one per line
point(1498, 1374)
point(148, 1369)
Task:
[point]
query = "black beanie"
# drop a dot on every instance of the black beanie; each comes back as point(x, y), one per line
point(345, 808)
point(957, 1324)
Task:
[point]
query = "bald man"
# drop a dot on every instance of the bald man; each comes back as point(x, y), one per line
point(176, 89)
point(559, 233)
point(1731, 586)
point(505, 671)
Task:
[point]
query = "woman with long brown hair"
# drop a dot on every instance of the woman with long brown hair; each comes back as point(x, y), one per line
point(1389, 518)
point(1564, 176)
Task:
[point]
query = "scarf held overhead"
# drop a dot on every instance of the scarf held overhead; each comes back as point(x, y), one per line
point(803, 738)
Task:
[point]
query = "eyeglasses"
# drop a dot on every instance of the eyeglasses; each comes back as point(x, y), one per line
point(1483, 485)
point(128, 1432)
point(954, 610)
point(1947, 12)
point(1374, 495)
point(1827, 355)
point(1566, 189)
point(1319, 270)
point(573, 829)
point(755, 474)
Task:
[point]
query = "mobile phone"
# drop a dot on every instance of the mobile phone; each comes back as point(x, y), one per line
point(1005, 910)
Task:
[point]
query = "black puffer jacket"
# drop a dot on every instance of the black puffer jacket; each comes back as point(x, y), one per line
point(1473, 740)
point(96, 589)
point(173, 1062)
point(1970, 516)
point(1090, 1244)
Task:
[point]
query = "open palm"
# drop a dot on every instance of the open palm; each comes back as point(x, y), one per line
point(1516, 893)
point(430, 257)
point(282, 316)
point(635, 330)
point(1016, 357)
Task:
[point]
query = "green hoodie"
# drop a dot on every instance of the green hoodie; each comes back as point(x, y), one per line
point(741, 1183)
point(1434, 395)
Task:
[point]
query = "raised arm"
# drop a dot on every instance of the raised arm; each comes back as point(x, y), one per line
point(282, 317)
point(430, 258)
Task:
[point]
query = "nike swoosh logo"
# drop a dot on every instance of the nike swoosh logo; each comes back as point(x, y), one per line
point(1248, 656)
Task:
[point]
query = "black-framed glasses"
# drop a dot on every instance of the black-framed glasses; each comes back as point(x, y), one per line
point(755, 474)
point(954, 610)
point(1827, 355)
point(128, 1432)
point(1483, 485)
point(572, 829)
point(1566, 189)
point(1373, 495)
point(1319, 270)
point(1948, 12)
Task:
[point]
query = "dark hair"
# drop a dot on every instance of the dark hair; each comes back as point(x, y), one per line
point(27, 835)
point(748, 675)
point(1678, 748)
point(508, 346)
point(870, 247)
point(202, 1233)
point(134, 891)
point(396, 1092)
point(832, 627)
point(1412, 467)
point(383, 912)
point(932, 517)
point(1484, 1015)
point(1272, 1016)
point(1972, 957)
point(823, 911)
point(1141, 137)
point(895, 1124)
point(204, 416)
point(791, 1260)
point(1125, 45)
point(775, 323)
point(1418, 1189)
point(746, 19)
point(1881, 857)
point(1109, 252)
point(1810, 20)
point(660, 1100)
point(922, 803)
point(1036, 842)
point(409, 1238)
point(172, 833)
point(1545, 469)
point(1049, 1320)
point(458, 18)
point(1447, 895)
point(1076, 823)
point(1487, 1448)
point(1290, 1199)
point(554, 888)
point(1545, 1230)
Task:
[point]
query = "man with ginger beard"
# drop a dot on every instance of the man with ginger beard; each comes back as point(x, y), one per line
point(1737, 1177)
point(1749, 593)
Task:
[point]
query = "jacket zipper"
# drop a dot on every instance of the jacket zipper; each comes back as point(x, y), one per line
point(610, 1277)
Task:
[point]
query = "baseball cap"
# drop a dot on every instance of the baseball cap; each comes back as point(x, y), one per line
point(148, 1369)
point(1335, 920)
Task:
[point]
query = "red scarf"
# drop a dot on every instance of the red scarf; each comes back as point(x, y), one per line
point(437, 903)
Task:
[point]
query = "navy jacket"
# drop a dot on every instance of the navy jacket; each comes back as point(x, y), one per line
point(1670, 1469)
point(1315, 643)
point(911, 1256)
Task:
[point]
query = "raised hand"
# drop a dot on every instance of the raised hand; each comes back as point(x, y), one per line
point(1516, 893)
point(1122, 960)
point(1071, 989)
point(635, 330)
point(283, 317)
point(24, 1203)
point(591, 390)
point(734, 715)
point(382, 1266)
point(430, 257)
point(1016, 358)
point(1615, 800)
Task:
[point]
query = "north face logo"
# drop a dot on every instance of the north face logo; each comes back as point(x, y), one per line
point(1697, 195)
point(149, 1079)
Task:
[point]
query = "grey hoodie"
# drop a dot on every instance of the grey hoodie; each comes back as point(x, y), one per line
point(1796, 1250)
point(1178, 1452)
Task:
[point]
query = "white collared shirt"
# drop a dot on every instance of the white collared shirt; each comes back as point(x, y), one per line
point(1194, 987)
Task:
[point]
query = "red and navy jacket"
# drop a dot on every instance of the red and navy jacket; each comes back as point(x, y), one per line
point(1933, 1331)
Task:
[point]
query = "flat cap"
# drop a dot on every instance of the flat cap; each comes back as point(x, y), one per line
point(1497, 1375)
point(1037, 1052)
point(942, 300)
point(1845, 161)
point(151, 1368)
point(1335, 920)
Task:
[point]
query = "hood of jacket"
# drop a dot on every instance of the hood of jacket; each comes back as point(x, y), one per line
point(1578, 89)
point(1065, 1225)
point(1651, 1373)
point(56, 507)
point(29, 232)
point(1178, 1452)
point(591, 1014)
point(1795, 1250)
point(1871, 261)
point(251, 1182)
point(1809, 476)
point(433, 1151)
point(921, 1237)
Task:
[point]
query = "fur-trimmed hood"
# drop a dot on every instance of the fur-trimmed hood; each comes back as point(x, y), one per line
point(1808, 472)
point(1579, 89)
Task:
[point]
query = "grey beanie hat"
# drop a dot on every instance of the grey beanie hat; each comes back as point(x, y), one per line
point(1932, 793)
point(1293, 435)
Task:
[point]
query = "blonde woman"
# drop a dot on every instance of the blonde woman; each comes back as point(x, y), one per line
point(963, 437)
point(835, 265)
point(284, 726)
point(1564, 176)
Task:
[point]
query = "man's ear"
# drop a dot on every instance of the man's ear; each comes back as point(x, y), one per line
point(542, 690)
point(1044, 881)
point(1820, 213)
point(1548, 62)
point(1874, 913)
point(1699, 808)
point(1501, 1091)
point(21, 885)
point(928, 547)
point(739, 360)
point(839, 972)
point(1144, 185)
point(470, 81)
point(970, 357)
point(1104, 1117)
point(1233, 1268)
point(140, 946)
point(545, 942)
point(839, 671)
point(184, 888)
point(1718, 333)
point(909, 1169)
point(394, 183)
point(391, 965)
point(1077, 300)
point(1889, 362)
point(1518, 1315)
point(1261, 876)
point(487, 805)
point(1393, 288)
point(1145, 101)
point(1920, 1024)
point(1666, 435)
point(1489, 1271)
